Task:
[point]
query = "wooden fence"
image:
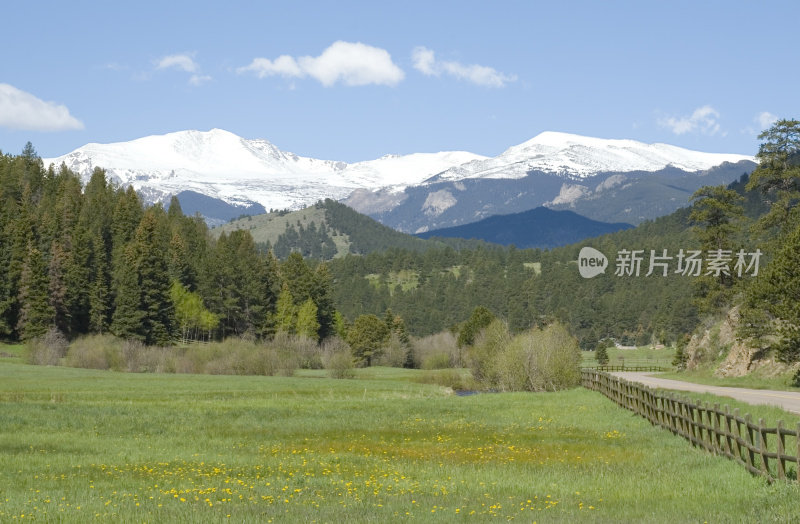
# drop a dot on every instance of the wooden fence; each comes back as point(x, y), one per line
point(643, 369)
point(762, 450)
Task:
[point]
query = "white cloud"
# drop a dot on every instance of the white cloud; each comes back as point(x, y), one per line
point(183, 62)
point(765, 119)
point(197, 80)
point(352, 64)
point(22, 110)
point(426, 63)
point(702, 120)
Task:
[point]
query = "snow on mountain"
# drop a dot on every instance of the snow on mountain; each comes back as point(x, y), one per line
point(406, 170)
point(578, 157)
point(222, 165)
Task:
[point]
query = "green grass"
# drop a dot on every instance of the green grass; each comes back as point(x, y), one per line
point(641, 356)
point(81, 445)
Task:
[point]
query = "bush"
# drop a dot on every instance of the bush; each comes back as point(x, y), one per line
point(552, 358)
point(539, 360)
point(304, 352)
point(47, 349)
point(95, 352)
point(436, 361)
point(340, 364)
point(484, 353)
point(394, 354)
point(445, 342)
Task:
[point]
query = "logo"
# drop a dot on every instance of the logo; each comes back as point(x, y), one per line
point(591, 262)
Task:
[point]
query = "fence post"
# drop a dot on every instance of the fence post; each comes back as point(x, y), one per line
point(781, 453)
point(748, 420)
point(717, 442)
point(762, 437)
point(797, 452)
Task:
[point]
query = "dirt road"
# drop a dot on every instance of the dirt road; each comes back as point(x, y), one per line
point(788, 400)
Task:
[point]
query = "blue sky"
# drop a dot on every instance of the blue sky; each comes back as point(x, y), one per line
point(356, 80)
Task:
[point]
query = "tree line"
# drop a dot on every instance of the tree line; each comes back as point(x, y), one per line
point(96, 259)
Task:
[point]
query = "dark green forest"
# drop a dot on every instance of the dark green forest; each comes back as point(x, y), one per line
point(97, 260)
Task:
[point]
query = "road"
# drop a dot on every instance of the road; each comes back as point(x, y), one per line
point(788, 400)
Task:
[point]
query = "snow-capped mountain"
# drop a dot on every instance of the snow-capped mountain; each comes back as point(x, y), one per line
point(413, 192)
point(222, 165)
point(575, 156)
point(605, 180)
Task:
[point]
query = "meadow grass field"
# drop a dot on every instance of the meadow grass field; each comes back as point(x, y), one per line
point(641, 356)
point(82, 445)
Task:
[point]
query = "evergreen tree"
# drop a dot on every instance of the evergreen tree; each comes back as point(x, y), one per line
point(367, 338)
point(99, 288)
point(144, 309)
point(128, 314)
point(36, 313)
point(777, 292)
point(481, 317)
point(601, 353)
point(777, 176)
point(57, 288)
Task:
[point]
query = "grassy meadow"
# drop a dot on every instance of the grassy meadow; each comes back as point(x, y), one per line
point(81, 445)
point(641, 356)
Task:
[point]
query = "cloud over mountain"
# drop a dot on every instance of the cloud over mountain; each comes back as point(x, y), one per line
point(426, 63)
point(348, 63)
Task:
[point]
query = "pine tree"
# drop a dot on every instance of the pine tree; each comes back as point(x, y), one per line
point(777, 176)
point(99, 288)
point(144, 309)
point(151, 264)
point(777, 292)
point(128, 316)
point(57, 288)
point(36, 313)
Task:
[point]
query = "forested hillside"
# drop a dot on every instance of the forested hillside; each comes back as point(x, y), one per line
point(439, 288)
point(96, 260)
point(327, 230)
point(539, 227)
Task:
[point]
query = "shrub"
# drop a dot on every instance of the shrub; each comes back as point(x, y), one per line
point(395, 353)
point(436, 361)
point(95, 352)
point(444, 342)
point(299, 351)
point(552, 358)
point(340, 364)
point(538, 360)
point(483, 354)
point(46, 349)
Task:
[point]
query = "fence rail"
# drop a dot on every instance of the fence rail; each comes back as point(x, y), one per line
point(761, 450)
point(611, 369)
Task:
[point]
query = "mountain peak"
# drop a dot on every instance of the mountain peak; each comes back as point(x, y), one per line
point(577, 157)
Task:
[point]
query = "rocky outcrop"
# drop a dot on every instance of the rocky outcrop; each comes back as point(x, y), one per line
point(740, 356)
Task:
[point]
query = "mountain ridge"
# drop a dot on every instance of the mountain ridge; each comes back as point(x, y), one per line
point(540, 227)
point(250, 173)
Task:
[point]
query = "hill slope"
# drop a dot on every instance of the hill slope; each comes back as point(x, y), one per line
point(535, 228)
point(326, 230)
